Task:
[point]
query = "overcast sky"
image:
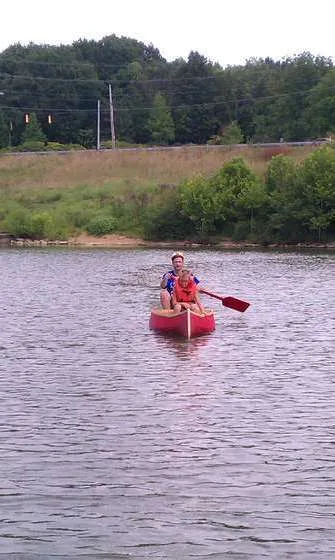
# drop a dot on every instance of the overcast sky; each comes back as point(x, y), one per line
point(225, 31)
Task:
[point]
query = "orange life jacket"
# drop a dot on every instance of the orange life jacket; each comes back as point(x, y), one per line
point(186, 294)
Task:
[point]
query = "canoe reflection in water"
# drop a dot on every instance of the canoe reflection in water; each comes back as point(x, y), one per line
point(182, 348)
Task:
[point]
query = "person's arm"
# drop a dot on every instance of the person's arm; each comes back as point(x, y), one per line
point(165, 280)
point(196, 280)
point(198, 302)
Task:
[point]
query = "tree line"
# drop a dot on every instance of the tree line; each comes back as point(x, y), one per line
point(49, 94)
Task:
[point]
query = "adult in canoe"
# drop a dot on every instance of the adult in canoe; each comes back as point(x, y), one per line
point(169, 278)
point(185, 294)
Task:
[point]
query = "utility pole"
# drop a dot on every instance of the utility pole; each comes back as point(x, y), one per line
point(111, 109)
point(10, 129)
point(98, 125)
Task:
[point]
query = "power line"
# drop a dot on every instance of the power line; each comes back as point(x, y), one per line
point(114, 81)
point(206, 104)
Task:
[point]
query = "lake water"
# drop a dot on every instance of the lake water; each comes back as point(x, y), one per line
point(119, 443)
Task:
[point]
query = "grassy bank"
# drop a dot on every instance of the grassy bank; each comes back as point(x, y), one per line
point(57, 196)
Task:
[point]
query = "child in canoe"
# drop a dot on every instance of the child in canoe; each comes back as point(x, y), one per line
point(185, 294)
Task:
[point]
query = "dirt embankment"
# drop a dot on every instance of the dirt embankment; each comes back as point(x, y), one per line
point(113, 240)
point(119, 241)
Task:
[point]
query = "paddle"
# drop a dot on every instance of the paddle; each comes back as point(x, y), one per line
point(228, 301)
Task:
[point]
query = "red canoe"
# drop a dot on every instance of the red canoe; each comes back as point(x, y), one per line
point(186, 323)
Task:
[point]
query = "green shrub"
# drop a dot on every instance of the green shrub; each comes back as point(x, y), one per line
point(18, 223)
point(101, 225)
point(7, 206)
point(73, 147)
point(55, 147)
point(77, 215)
point(48, 196)
point(231, 134)
point(41, 225)
point(167, 222)
point(30, 146)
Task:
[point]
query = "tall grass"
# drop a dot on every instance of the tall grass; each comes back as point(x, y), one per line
point(100, 168)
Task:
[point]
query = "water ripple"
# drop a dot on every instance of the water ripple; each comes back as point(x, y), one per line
point(120, 443)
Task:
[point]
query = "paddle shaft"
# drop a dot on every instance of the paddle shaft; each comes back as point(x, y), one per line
point(229, 301)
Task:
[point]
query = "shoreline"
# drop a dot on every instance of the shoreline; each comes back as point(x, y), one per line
point(114, 241)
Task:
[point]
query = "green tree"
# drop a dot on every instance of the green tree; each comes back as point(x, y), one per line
point(282, 183)
point(194, 99)
point(233, 184)
point(160, 122)
point(215, 204)
point(199, 204)
point(251, 208)
point(281, 175)
point(86, 137)
point(320, 112)
point(280, 110)
point(318, 192)
point(230, 134)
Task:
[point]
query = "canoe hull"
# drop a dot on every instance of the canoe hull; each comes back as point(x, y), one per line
point(187, 324)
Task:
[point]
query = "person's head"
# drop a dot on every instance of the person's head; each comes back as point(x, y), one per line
point(184, 278)
point(177, 259)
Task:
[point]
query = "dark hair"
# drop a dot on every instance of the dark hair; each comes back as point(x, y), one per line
point(177, 254)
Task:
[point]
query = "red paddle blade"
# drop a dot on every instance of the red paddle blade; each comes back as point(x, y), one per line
point(229, 301)
point(235, 303)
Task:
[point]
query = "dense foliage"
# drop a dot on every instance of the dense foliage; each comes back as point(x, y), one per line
point(51, 93)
